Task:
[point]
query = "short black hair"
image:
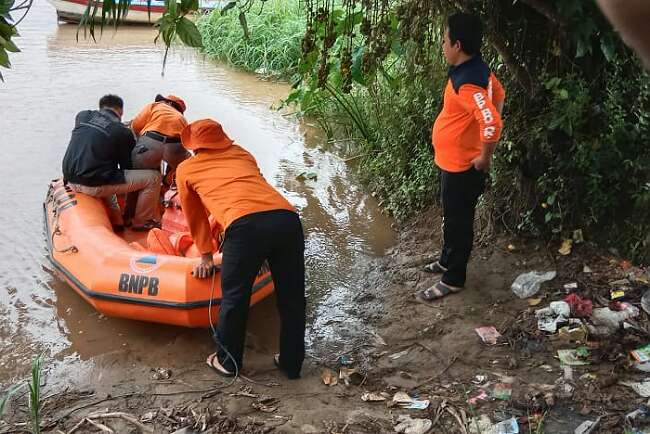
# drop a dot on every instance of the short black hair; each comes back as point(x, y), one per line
point(468, 29)
point(112, 101)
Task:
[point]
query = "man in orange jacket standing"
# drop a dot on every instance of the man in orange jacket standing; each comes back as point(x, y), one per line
point(223, 180)
point(464, 137)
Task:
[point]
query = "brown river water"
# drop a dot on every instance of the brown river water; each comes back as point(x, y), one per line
point(55, 77)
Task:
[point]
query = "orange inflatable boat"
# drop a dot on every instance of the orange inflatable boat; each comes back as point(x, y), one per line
point(135, 275)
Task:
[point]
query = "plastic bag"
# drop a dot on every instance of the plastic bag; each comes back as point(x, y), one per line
point(527, 284)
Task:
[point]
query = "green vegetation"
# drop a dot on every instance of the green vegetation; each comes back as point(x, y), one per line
point(35, 395)
point(573, 154)
point(34, 398)
point(266, 40)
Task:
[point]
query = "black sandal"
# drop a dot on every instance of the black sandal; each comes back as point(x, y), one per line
point(212, 358)
point(436, 292)
point(434, 267)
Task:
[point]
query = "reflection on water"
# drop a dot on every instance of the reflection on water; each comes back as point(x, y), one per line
point(52, 79)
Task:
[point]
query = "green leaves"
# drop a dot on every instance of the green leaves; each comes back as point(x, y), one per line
point(188, 33)
point(7, 32)
point(5, 7)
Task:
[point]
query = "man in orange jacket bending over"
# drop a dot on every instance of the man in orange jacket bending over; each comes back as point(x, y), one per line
point(158, 127)
point(223, 180)
point(464, 137)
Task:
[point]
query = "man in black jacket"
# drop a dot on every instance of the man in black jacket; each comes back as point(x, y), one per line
point(98, 160)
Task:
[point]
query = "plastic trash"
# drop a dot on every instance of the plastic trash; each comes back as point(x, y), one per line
point(404, 400)
point(509, 426)
point(642, 354)
point(577, 357)
point(373, 397)
point(640, 415)
point(488, 334)
point(607, 322)
point(642, 388)
point(574, 332)
point(501, 391)
point(579, 306)
point(550, 317)
point(481, 425)
point(645, 302)
point(586, 427)
point(408, 425)
point(528, 284)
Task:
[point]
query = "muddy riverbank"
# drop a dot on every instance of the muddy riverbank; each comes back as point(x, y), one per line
point(431, 352)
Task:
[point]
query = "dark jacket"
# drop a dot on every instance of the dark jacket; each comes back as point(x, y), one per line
point(99, 149)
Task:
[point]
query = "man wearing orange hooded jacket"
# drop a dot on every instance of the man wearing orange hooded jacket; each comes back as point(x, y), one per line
point(223, 180)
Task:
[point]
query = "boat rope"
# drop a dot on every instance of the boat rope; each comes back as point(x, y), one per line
point(215, 337)
point(72, 248)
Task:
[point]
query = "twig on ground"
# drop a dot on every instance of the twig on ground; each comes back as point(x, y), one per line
point(259, 383)
point(74, 428)
point(124, 416)
point(456, 416)
point(101, 426)
point(429, 380)
point(129, 395)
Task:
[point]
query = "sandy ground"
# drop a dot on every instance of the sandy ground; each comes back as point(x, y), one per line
point(430, 352)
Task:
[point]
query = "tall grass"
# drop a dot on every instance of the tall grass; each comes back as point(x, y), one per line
point(275, 28)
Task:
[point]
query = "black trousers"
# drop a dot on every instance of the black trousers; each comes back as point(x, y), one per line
point(460, 193)
point(275, 236)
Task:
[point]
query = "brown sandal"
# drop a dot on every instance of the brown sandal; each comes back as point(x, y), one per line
point(213, 363)
point(437, 291)
point(434, 267)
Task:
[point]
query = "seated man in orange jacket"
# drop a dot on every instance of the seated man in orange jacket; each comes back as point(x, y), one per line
point(159, 125)
point(464, 136)
point(223, 180)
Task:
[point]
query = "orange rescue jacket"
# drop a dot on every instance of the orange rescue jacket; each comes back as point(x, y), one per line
point(468, 117)
point(161, 118)
point(226, 183)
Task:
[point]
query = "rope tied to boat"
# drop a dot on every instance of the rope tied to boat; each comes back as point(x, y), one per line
point(57, 232)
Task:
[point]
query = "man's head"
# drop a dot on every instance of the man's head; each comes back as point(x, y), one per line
point(112, 102)
point(463, 38)
point(173, 101)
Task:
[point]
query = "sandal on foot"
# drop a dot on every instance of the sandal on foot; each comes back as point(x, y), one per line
point(151, 224)
point(434, 267)
point(276, 361)
point(213, 363)
point(437, 291)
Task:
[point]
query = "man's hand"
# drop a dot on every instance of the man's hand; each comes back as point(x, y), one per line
point(482, 163)
point(206, 268)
